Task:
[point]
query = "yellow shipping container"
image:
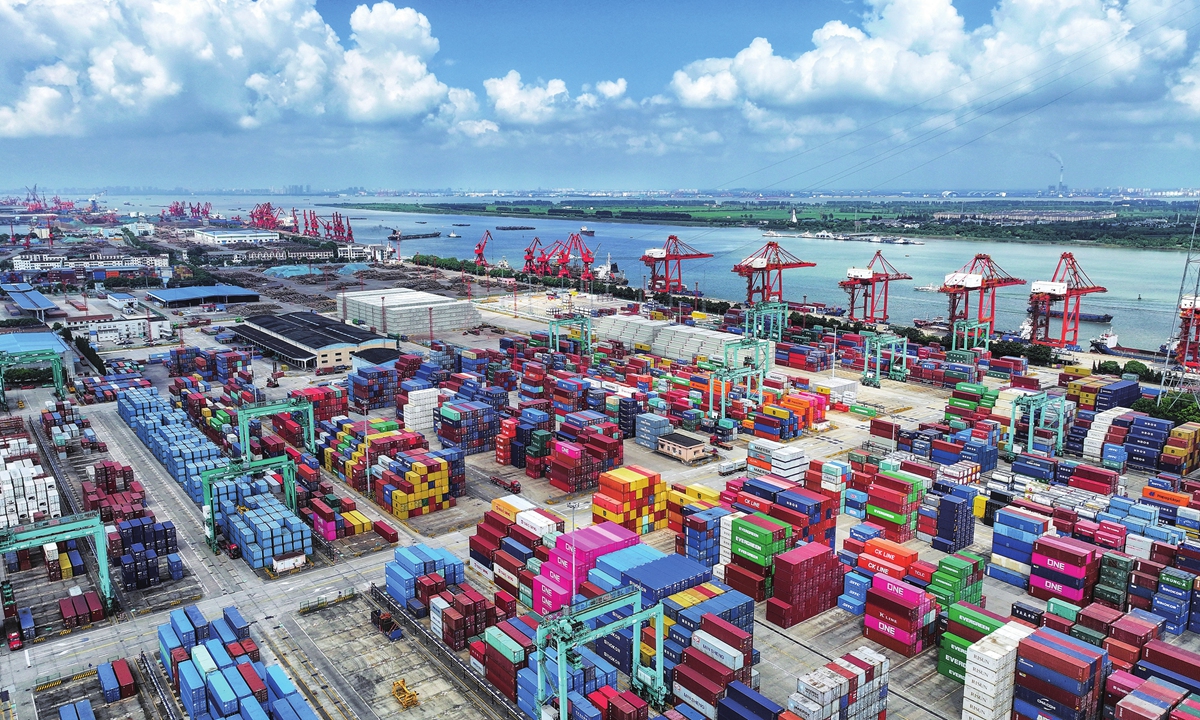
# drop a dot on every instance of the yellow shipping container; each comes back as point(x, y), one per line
point(980, 505)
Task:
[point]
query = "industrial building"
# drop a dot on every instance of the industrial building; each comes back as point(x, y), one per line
point(400, 311)
point(201, 294)
point(48, 261)
point(27, 301)
point(108, 328)
point(682, 446)
point(235, 237)
point(309, 340)
point(32, 341)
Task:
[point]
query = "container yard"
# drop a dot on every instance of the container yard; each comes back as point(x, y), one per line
point(644, 513)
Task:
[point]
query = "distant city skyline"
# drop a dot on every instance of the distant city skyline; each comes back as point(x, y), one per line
point(873, 95)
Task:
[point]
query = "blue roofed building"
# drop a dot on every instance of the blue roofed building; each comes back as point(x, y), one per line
point(201, 294)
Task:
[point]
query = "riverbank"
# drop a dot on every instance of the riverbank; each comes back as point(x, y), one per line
point(1133, 230)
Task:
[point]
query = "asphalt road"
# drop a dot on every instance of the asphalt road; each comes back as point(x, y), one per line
point(224, 581)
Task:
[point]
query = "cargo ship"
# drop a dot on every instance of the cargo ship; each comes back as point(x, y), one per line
point(515, 227)
point(937, 324)
point(587, 233)
point(1083, 317)
point(397, 235)
point(927, 288)
point(1107, 344)
point(817, 308)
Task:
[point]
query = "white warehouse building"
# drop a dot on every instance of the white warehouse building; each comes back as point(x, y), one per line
point(235, 237)
point(400, 311)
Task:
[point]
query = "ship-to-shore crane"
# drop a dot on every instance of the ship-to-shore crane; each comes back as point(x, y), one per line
point(868, 288)
point(1064, 291)
point(666, 274)
point(763, 271)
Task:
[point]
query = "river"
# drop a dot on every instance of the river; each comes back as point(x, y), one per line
point(1128, 274)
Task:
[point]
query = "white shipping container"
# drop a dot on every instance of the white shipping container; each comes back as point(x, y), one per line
point(691, 698)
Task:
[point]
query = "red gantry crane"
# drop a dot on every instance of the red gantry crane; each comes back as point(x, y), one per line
point(868, 287)
point(1067, 286)
point(480, 247)
point(981, 277)
point(666, 274)
point(537, 261)
point(764, 272)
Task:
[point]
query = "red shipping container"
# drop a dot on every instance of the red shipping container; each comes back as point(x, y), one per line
point(124, 678)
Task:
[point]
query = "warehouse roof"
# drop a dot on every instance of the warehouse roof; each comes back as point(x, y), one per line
point(681, 439)
point(312, 331)
point(269, 342)
point(203, 293)
point(23, 342)
point(32, 301)
point(16, 287)
point(377, 355)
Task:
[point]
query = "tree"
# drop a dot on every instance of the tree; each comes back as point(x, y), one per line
point(1136, 367)
point(1109, 367)
point(1039, 355)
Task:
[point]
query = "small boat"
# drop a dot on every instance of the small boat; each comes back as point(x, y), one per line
point(588, 233)
point(927, 288)
point(454, 235)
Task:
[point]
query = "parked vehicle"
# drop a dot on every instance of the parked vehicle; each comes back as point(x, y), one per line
point(513, 486)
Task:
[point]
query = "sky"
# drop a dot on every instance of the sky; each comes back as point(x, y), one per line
point(766, 96)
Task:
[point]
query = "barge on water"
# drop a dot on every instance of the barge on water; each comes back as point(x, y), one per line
point(1107, 344)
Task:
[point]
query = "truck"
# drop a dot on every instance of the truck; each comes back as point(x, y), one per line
point(511, 485)
point(729, 467)
point(25, 617)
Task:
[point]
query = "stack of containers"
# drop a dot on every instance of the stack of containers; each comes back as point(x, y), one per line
point(758, 456)
point(373, 387)
point(182, 361)
point(966, 624)
point(573, 555)
point(471, 426)
point(755, 540)
point(1145, 442)
point(418, 412)
point(807, 581)
point(1049, 662)
point(267, 529)
point(852, 686)
point(893, 502)
point(945, 517)
point(402, 576)
point(171, 438)
point(33, 493)
point(702, 535)
point(899, 616)
point(632, 497)
point(990, 672)
point(649, 428)
point(1013, 536)
point(1064, 568)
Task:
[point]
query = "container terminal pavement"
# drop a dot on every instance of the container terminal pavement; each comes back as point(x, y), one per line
point(917, 573)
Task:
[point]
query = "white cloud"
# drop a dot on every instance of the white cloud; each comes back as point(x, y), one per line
point(911, 50)
point(517, 102)
point(611, 89)
point(240, 62)
point(1187, 89)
